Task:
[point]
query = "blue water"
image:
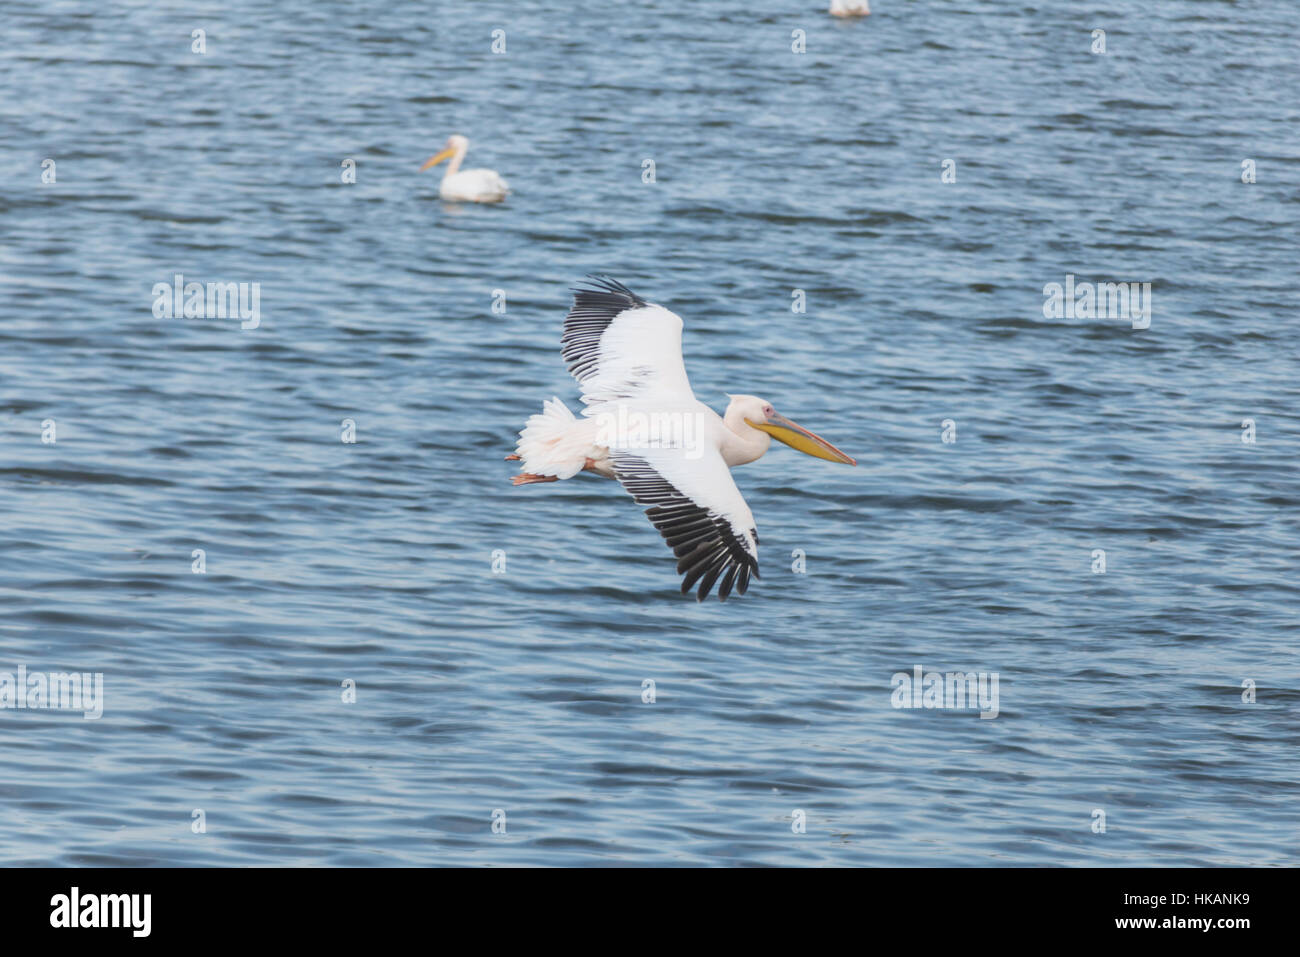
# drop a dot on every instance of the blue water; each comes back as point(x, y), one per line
point(521, 689)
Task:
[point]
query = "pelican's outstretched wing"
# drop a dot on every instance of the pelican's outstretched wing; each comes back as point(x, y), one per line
point(699, 511)
point(619, 347)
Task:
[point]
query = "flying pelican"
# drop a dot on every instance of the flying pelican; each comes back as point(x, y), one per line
point(850, 8)
point(466, 186)
point(643, 426)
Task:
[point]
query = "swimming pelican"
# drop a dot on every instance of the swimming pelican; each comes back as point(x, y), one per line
point(643, 426)
point(466, 186)
point(850, 8)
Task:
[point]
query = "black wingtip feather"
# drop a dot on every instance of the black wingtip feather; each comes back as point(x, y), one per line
point(603, 283)
point(728, 580)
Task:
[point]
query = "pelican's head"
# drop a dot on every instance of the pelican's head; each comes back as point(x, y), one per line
point(758, 414)
point(455, 144)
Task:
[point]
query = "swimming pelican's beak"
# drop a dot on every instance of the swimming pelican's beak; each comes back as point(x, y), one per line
point(797, 437)
point(438, 158)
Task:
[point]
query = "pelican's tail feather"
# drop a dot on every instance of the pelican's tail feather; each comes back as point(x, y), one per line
point(554, 442)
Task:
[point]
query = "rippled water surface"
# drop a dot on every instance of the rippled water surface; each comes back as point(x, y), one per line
point(372, 562)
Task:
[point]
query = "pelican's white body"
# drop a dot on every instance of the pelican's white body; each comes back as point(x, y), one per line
point(556, 442)
point(850, 8)
point(473, 186)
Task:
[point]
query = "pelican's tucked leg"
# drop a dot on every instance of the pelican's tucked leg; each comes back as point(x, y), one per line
point(528, 478)
point(512, 457)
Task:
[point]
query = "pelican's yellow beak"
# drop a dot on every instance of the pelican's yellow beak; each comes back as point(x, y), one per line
point(438, 158)
point(797, 437)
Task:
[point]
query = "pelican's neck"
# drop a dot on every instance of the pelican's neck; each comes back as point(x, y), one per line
point(742, 443)
point(456, 159)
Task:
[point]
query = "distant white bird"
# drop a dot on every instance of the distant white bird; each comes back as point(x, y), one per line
point(643, 426)
point(850, 8)
point(470, 185)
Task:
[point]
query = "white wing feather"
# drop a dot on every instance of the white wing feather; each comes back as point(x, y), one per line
point(621, 348)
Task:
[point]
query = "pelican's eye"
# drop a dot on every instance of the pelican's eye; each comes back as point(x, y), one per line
point(768, 411)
